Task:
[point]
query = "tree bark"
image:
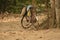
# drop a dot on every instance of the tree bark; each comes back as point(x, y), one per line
point(53, 14)
point(57, 7)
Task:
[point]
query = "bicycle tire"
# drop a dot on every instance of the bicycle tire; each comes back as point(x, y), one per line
point(22, 23)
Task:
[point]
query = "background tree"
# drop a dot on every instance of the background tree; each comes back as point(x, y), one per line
point(57, 7)
point(53, 14)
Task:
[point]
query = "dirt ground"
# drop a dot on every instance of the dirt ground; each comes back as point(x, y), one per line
point(12, 30)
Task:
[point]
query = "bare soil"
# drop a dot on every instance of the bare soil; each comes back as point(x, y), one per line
point(12, 30)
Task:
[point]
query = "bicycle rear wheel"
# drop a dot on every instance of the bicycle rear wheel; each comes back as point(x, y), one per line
point(36, 23)
point(25, 24)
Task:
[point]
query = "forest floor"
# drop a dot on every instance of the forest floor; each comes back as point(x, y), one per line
point(12, 30)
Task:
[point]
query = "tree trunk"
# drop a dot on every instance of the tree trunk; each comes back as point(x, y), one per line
point(47, 10)
point(57, 7)
point(52, 13)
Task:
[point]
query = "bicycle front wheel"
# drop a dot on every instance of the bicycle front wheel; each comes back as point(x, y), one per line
point(25, 24)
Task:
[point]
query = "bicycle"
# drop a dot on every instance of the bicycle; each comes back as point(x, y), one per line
point(28, 23)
